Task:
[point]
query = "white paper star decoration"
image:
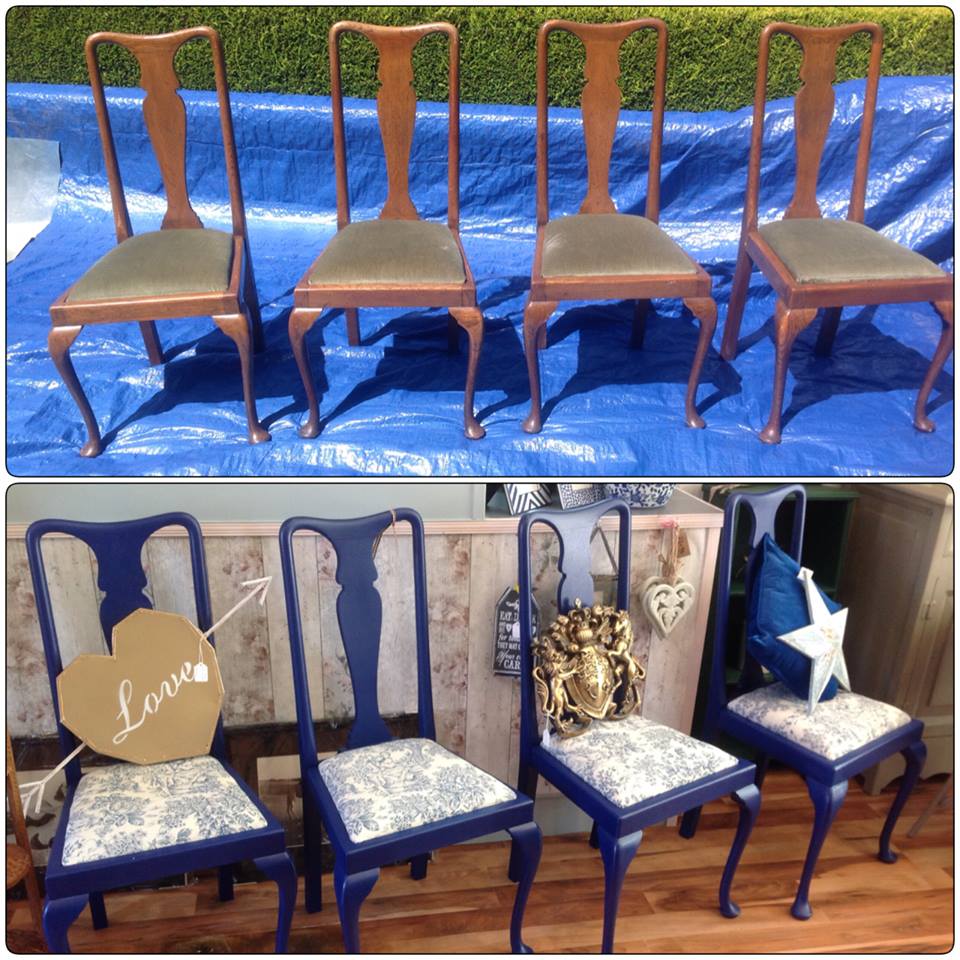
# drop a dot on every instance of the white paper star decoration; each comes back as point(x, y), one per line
point(821, 640)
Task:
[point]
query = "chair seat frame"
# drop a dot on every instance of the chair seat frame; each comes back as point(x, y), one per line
point(600, 108)
point(798, 303)
point(357, 865)
point(235, 310)
point(617, 831)
point(69, 888)
point(826, 779)
point(396, 107)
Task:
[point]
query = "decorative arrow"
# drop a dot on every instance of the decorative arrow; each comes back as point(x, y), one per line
point(33, 792)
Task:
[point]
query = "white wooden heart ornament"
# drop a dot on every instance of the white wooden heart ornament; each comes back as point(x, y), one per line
point(666, 603)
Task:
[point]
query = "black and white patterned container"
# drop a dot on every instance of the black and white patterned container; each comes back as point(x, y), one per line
point(522, 497)
point(579, 494)
point(644, 496)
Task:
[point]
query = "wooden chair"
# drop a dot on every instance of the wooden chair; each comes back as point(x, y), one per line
point(616, 771)
point(383, 799)
point(89, 853)
point(182, 269)
point(812, 262)
point(20, 867)
point(600, 254)
point(400, 259)
point(843, 737)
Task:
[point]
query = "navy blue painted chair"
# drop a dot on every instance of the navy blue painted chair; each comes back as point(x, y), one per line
point(382, 799)
point(843, 737)
point(629, 774)
point(88, 828)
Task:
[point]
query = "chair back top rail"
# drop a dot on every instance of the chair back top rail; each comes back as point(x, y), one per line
point(118, 550)
point(397, 114)
point(760, 511)
point(360, 618)
point(600, 108)
point(165, 117)
point(574, 529)
point(813, 111)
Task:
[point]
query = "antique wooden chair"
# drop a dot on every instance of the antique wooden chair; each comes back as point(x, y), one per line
point(843, 737)
point(600, 254)
point(89, 855)
point(398, 259)
point(182, 269)
point(628, 774)
point(813, 262)
point(383, 799)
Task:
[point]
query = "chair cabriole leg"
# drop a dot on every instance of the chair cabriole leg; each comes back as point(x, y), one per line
point(237, 327)
point(57, 917)
point(301, 320)
point(528, 840)
point(534, 318)
point(705, 310)
point(915, 755)
point(527, 777)
point(738, 297)
point(225, 883)
point(748, 799)
point(280, 869)
point(617, 852)
point(418, 866)
point(353, 326)
point(151, 340)
point(828, 331)
point(787, 324)
point(471, 319)
point(920, 419)
point(352, 889)
point(98, 911)
point(59, 341)
point(251, 300)
point(827, 800)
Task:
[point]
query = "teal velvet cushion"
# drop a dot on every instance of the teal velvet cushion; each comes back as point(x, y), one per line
point(390, 251)
point(611, 245)
point(159, 263)
point(777, 605)
point(841, 251)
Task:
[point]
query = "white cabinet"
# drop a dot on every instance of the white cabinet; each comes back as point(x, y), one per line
point(898, 584)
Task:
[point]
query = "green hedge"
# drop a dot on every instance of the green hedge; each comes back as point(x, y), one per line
point(283, 49)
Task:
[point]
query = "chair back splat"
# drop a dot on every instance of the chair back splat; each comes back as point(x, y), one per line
point(118, 549)
point(397, 113)
point(759, 511)
point(600, 107)
point(573, 528)
point(359, 615)
point(165, 117)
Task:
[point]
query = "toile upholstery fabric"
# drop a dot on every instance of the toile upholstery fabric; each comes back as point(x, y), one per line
point(842, 251)
point(835, 728)
point(402, 784)
point(159, 263)
point(612, 245)
point(632, 760)
point(128, 808)
point(390, 251)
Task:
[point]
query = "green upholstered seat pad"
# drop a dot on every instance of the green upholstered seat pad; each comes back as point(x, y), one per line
point(159, 263)
point(390, 251)
point(841, 251)
point(610, 244)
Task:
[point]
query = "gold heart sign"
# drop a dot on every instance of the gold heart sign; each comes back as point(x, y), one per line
point(147, 702)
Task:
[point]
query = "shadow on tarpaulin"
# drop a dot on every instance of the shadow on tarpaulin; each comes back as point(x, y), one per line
point(393, 405)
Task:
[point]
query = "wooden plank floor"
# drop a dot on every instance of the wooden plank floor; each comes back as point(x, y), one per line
point(669, 900)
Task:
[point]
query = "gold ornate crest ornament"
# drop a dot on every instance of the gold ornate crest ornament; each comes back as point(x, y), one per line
point(584, 670)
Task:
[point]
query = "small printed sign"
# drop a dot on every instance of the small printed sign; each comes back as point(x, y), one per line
point(506, 651)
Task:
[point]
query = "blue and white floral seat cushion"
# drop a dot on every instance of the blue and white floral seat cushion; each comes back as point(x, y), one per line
point(127, 808)
point(635, 759)
point(835, 728)
point(401, 784)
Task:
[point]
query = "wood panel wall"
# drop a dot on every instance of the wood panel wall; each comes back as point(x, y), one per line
point(476, 712)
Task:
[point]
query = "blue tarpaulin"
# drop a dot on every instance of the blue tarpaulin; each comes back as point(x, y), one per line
point(393, 405)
